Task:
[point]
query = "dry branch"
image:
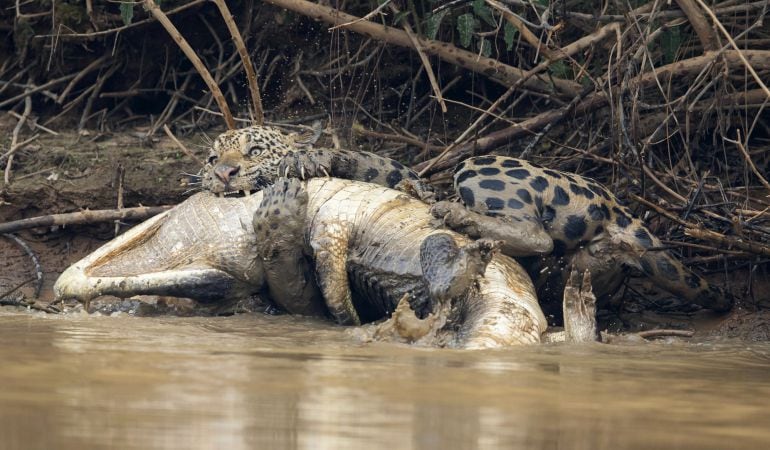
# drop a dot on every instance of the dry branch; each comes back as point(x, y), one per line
point(251, 75)
point(699, 23)
point(194, 58)
point(526, 34)
point(759, 58)
point(698, 232)
point(83, 217)
point(494, 69)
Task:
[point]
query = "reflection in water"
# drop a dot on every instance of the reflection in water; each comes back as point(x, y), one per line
point(257, 381)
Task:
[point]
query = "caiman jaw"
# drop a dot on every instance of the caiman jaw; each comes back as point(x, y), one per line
point(162, 257)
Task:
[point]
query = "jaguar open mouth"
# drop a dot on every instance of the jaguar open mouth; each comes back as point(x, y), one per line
point(257, 184)
point(236, 194)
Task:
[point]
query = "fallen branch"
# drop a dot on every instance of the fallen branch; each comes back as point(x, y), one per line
point(738, 50)
point(664, 333)
point(360, 130)
point(83, 217)
point(699, 23)
point(494, 69)
point(698, 232)
point(592, 102)
point(565, 52)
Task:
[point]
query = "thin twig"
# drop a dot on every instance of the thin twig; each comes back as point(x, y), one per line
point(181, 146)
point(15, 139)
point(251, 75)
point(35, 261)
point(194, 58)
point(747, 157)
point(735, 46)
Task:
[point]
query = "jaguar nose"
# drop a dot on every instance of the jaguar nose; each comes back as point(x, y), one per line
point(225, 172)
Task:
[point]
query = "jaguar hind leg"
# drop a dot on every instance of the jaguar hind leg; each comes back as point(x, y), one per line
point(580, 309)
point(279, 226)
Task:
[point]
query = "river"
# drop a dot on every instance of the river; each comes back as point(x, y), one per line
point(257, 381)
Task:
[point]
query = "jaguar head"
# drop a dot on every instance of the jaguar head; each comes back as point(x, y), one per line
point(245, 160)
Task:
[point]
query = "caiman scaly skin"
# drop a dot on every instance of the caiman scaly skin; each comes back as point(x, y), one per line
point(354, 233)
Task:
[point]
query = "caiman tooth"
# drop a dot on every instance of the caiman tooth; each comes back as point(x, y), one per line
point(221, 195)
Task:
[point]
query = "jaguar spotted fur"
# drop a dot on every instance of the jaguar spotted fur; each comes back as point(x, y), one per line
point(249, 159)
point(566, 219)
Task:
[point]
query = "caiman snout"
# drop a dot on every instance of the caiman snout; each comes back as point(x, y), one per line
point(226, 171)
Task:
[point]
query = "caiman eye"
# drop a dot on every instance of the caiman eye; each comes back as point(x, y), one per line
point(254, 150)
point(213, 159)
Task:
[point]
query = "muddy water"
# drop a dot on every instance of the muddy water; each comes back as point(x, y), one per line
point(255, 381)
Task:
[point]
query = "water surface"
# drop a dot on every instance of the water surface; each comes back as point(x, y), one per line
point(256, 381)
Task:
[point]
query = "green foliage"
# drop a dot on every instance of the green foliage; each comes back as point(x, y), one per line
point(560, 70)
point(509, 35)
point(71, 15)
point(127, 13)
point(478, 26)
point(466, 24)
point(482, 11)
point(670, 43)
point(434, 22)
point(400, 17)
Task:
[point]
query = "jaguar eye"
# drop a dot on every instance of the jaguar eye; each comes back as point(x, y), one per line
point(213, 159)
point(254, 150)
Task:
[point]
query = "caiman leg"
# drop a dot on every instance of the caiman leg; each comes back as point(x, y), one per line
point(330, 243)
point(524, 238)
point(580, 309)
point(279, 227)
point(450, 270)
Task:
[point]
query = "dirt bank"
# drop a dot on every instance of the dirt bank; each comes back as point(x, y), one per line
point(69, 173)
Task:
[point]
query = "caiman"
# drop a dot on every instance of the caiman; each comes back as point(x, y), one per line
point(325, 246)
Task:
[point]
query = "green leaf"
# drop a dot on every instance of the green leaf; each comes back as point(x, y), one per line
point(482, 10)
point(465, 26)
point(509, 35)
point(559, 69)
point(433, 23)
point(399, 17)
point(670, 43)
point(127, 13)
